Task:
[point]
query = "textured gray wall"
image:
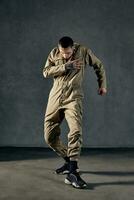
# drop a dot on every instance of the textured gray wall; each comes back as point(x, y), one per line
point(29, 29)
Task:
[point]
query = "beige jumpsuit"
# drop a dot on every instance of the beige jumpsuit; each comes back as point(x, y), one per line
point(65, 98)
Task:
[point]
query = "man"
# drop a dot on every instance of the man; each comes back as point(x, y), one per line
point(66, 64)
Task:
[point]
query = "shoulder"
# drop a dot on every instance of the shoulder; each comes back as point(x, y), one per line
point(82, 48)
point(54, 52)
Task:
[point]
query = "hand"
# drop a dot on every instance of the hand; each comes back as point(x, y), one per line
point(102, 91)
point(75, 64)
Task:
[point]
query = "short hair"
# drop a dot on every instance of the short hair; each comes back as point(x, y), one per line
point(66, 42)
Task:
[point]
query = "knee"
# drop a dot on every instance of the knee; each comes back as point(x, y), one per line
point(49, 137)
point(51, 131)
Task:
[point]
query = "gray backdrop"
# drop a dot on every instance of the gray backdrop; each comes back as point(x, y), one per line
point(29, 29)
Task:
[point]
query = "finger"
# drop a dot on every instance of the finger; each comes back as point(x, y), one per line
point(102, 92)
point(80, 64)
point(76, 66)
point(99, 92)
point(78, 61)
point(74, 61)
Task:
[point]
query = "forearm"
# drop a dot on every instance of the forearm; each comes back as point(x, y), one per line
point(51, 70)
point(101, 75)
point(98, 67)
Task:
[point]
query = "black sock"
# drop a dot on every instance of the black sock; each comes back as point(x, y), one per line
point(73, 166)
point(67, 159)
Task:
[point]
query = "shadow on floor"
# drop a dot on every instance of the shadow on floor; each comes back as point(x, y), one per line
point(25, 153)
point(109, 173)
point(92, 186)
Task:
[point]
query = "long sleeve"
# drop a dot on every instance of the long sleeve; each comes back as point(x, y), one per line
point(93, 61)
point(50, 69)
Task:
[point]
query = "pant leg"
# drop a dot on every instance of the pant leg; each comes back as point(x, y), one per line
point(73, 115)
point(52, 132)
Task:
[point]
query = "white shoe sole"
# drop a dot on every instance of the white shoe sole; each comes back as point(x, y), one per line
point(73, 184)
point(67, 182)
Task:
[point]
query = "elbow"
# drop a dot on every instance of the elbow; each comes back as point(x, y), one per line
point(45, 74)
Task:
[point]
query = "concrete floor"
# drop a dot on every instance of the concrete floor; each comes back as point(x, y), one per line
point(28, 174)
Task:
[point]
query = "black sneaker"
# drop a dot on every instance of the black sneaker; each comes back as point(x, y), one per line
point(75, 180)
point(64, 169)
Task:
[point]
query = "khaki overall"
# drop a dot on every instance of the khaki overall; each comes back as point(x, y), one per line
point(65, 98)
